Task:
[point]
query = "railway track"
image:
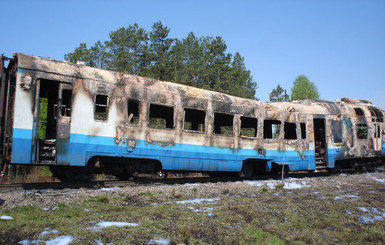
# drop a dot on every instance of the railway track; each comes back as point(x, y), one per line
point(97, 184)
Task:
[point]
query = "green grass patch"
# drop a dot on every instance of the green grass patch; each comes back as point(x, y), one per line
point(241, 216)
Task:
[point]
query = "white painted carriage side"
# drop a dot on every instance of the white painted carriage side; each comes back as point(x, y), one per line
point(83, 121)
point(23, 110)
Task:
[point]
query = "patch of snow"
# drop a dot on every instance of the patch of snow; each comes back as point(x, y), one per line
point(197, 201)
point(55, 208)
point(291, 186)
point(375, 210)
point(290, 178)
point(46, 232)
point(99, 226)
point(363, 209)
point(378, 218)
point(273, 183)
point(253, 183)
point(105, 224)
point(372, 215)
point(365, 220)
point(98, 242)
point(159, 241)
point(346, 196)
point(87, 210)
point(379, 169)
point(61, 240)
point(191, 185)
point(5, 217)
point(27, 242)
point(343, 175)
point(206, 210)
point(378, 180)
point(110, 188)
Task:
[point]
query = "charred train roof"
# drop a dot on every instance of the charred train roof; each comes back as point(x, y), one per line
point(90, 73)
point(345, 107)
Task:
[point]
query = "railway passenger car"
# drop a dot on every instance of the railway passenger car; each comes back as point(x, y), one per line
point(81, 120)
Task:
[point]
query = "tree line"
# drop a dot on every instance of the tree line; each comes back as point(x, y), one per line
point(302, 89)
point(199, 62)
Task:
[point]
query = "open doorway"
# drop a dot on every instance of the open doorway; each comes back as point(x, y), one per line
point(53, 122)
point(320, 144)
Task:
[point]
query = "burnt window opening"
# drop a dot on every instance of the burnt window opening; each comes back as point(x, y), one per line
point(359, 112)
point(66, 103)
point(362, 131)
point(194, 120)
point(132, 112)
point(337, 131)
point(303, 130)
point(223, 124)
point(249, 127)
point(377, 131)
point(271, 129)
point(372, 113)
point(101, 107)
point(161, 116)
point(376, 114)
point(290, 131)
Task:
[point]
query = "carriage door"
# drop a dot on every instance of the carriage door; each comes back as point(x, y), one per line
point(377, 137)
point(63, 121)
point(52, 122)
point(320, 144)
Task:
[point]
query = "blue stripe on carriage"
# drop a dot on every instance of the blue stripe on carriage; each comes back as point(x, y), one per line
point(180, 156)
point(21, 146)
point(173, 157)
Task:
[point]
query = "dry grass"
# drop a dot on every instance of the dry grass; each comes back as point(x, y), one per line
point(327, 211)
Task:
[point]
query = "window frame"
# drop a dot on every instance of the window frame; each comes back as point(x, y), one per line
point(334, 122)
point(362, 131)
point(272, 133)
point(101, 105)
point(303, 130)
point(285, 125)
point(191, 130)
point(163, 105)
point(127, 115)
point(256, 127)
point(232, 126)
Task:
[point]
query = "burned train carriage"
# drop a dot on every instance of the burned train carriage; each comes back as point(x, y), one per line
point(80, 119)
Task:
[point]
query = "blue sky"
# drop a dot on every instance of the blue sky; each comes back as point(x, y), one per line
point(339, 45)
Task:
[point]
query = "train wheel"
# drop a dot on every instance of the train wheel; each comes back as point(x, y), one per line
point(69, 174)
point(123, 176)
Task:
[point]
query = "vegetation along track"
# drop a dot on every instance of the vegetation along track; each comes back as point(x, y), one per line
point(343, 208)
point(97, 184)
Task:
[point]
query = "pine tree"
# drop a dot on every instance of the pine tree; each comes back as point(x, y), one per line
point(278, 94)
point(200, 62)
